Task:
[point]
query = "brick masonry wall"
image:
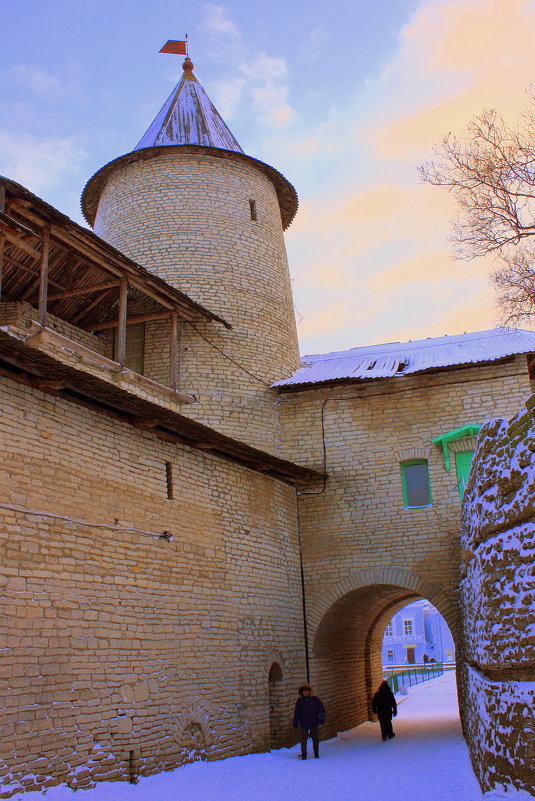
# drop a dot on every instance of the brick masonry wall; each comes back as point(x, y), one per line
point(124, 652)
point(21, 314)
point(187, 218)
point(363, 550)
point(497, 602)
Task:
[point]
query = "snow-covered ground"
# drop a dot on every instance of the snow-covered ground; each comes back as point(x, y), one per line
point(426, 761)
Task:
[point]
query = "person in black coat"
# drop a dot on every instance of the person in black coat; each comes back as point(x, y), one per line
point(309, 714)
point(384, 705)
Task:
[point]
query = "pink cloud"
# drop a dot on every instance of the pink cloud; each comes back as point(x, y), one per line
point(385, 234)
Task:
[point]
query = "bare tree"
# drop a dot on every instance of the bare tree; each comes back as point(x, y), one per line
point(491, 173)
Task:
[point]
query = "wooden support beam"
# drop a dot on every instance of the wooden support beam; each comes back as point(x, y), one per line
point(83, 250)
point(68, 269)
point(137, 318)
point(146, 423)
point(15, 226)
point(34, 285)
point(84, 290)
point(135, 278)
point(15, 238)
point(2, 198)
point(84, 312)
point(173, 332)
point(25, 205)
point(9, 261)
point(2, 243)
point(48, 384)
point(167, 436)
point(120, 343)
point(43, 276)
point(118, 407)
point(80, 243)
point(69, 272)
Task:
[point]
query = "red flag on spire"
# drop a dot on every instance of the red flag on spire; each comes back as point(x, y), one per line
point(174, 47)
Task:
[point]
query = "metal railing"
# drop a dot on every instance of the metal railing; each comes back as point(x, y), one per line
point(408, 676)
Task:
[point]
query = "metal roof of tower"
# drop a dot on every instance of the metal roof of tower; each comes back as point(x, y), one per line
point(188, 117)
point(188, 122)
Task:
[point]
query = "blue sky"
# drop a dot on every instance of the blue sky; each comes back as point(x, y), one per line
point(343, 98)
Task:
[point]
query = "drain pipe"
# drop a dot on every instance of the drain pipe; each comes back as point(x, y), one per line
point(303, 596)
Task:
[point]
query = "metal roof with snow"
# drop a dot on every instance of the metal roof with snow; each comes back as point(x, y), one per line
point(188, 117)
point(398, 359)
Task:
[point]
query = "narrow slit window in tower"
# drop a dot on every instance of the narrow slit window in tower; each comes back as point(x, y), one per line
point(252, 206)
point(169, 480)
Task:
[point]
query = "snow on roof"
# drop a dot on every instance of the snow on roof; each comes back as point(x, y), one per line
point(398, 359)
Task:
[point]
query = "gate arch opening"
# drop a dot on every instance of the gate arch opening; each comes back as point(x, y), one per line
point(346, 654)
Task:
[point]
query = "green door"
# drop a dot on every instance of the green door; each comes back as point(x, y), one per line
point(463, 460)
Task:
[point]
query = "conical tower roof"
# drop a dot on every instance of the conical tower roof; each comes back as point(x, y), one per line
point(188, 122)
point(188, 117)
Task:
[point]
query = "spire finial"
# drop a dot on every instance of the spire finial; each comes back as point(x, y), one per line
point(179, 49)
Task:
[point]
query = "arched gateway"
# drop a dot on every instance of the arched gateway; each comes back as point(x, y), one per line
point(393, 427)
point(346, 627)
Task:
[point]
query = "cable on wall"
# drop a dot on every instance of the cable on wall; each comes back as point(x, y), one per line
point(364, 396)
point(159, 535)
point(303, 598)
point(222, 352)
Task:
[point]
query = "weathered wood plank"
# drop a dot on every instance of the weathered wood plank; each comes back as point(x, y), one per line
point(84, 290)
point(43, 277)
point(173, 331)
point(14, 234)
point(10, 262)
point(137, 318)
point(2, 242)
point(120, 355)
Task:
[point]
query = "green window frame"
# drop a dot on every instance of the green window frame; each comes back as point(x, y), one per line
point(416, 471)
point(452, 436)
point(463, 461)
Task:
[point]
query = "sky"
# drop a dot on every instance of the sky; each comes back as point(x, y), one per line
point(344, 98)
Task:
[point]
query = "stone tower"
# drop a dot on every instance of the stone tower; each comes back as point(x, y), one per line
point(188, 204)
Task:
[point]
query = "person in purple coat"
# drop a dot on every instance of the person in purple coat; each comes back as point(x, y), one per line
point(309, 714)
point(384, 705)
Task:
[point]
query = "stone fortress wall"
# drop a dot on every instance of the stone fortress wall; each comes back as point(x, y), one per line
point(365, 555)
point(128, 653)
point(133, 654)
point(187, 218)
point(497, 593)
